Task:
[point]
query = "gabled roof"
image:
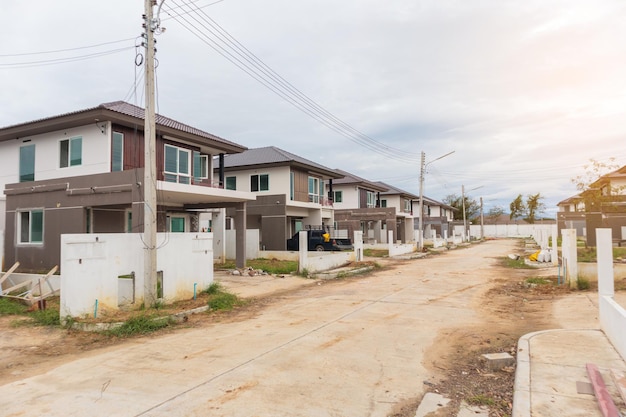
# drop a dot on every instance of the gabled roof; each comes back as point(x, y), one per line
point(352, 179)
point(393, 191)
point(606, 178)
point(570, 200)
point(432, 202)
point(122, 113)
point(272, 156)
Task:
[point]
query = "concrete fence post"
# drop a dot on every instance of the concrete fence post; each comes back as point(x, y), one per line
point(570, 257)
point(555, 246)
point(358, 245)
point(303, 249)
point(604, 247)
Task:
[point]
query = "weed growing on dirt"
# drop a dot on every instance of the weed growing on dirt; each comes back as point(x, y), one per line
point(304, 273)
point(376, 253)
point(539, 281)
point(481, 400)
point(583, 284)
point(142, 324)
point(48, 317)
point(223, 301)
point(515, 263)
point(214, 288)
point(10, 307)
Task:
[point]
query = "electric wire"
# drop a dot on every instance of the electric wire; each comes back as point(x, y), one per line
point(66, 49)
point(224, 44)
point(56, 61)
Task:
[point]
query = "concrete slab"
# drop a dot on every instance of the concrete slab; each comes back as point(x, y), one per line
point(467, 410)
point(431, 403)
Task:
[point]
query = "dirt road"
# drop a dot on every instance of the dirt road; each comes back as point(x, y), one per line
point(368, 346)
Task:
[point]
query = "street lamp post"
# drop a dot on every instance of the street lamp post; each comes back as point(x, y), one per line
point(423, 166)
point(465, 232)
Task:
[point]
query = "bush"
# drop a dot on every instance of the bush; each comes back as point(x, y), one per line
point(223, 301)
point(583, 284)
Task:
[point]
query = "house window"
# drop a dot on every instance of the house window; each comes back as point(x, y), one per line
point(314, 189)
point(200, 166)
point(338, 196)
point(129, 221)
point(383, 203)
point(117, 152)
point(177, 164)
point(407, 205)
point(30, 225)
point(231, 183)
point(27, 163)
point(259, 182)
point(292, 185)
point(71, 152)
point(371, 199)
point(177, 224)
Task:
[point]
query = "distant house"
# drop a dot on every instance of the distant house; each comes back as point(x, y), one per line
point(357, 207)
point(290, 192)
point(438, 218)
point(605, 205)
point(82, 172)
point(571, 214)
point(402, 201)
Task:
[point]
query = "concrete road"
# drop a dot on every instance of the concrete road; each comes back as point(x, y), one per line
point(351, 348)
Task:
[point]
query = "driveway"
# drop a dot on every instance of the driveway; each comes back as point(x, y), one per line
point(344, 348)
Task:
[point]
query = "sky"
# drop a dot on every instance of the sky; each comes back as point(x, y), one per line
point(524, 93)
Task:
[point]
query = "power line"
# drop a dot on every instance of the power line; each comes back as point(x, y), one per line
point(226, 45)
point(56, 61)
point(65, 50)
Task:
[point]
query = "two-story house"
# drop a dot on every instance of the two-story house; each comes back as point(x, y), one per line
point(82, 172)
point(571, 214)
point(605, 205)
point(357, 207)
point(403, 203)
point(290, 192)
point(437, 220)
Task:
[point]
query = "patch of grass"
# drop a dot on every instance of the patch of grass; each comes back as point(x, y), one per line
point(223, 301)
point(515, 263)
point(583, 284)
point(304, 273)
point(9, 307)
point(214, 288)
point(142, 324)
point(48, 317)
point(271, 266)
point(589, 254)
point(481, 400)
point(376, 253)
point(539, 281)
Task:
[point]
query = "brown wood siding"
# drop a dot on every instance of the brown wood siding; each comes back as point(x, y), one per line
point(301, 186)
point(362, 198)
point(133, 146)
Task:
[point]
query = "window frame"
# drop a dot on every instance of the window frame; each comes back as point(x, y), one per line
point(114, 162)
point(178, 175)
point(371, 199)
point(228, 180)
point(256, 182)
point(201, 162)
point(67, 159)
point(338, 196)
point(30, 225)
point(22, 174)
point(383, 203)
point(313, 188)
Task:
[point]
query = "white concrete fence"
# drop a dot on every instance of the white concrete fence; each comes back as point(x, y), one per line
point(612, 315)
point(97, 270)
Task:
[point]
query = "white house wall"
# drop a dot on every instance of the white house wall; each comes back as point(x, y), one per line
point(349, 197)
point(279, 179)
point(96, 154)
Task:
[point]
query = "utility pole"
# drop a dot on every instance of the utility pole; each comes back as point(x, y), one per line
point(149, 181)
point(423, 166)
point(464, 220)
point(420, 239)
point(482, 220)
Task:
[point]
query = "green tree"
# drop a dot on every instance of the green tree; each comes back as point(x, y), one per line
point(472, 208)
point(534, 207)
point(518, 208)
point(596, 195)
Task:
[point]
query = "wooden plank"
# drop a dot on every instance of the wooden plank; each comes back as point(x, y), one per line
point(7, 274)
point(620, 382)
point(605, 402)
point(15, 287)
